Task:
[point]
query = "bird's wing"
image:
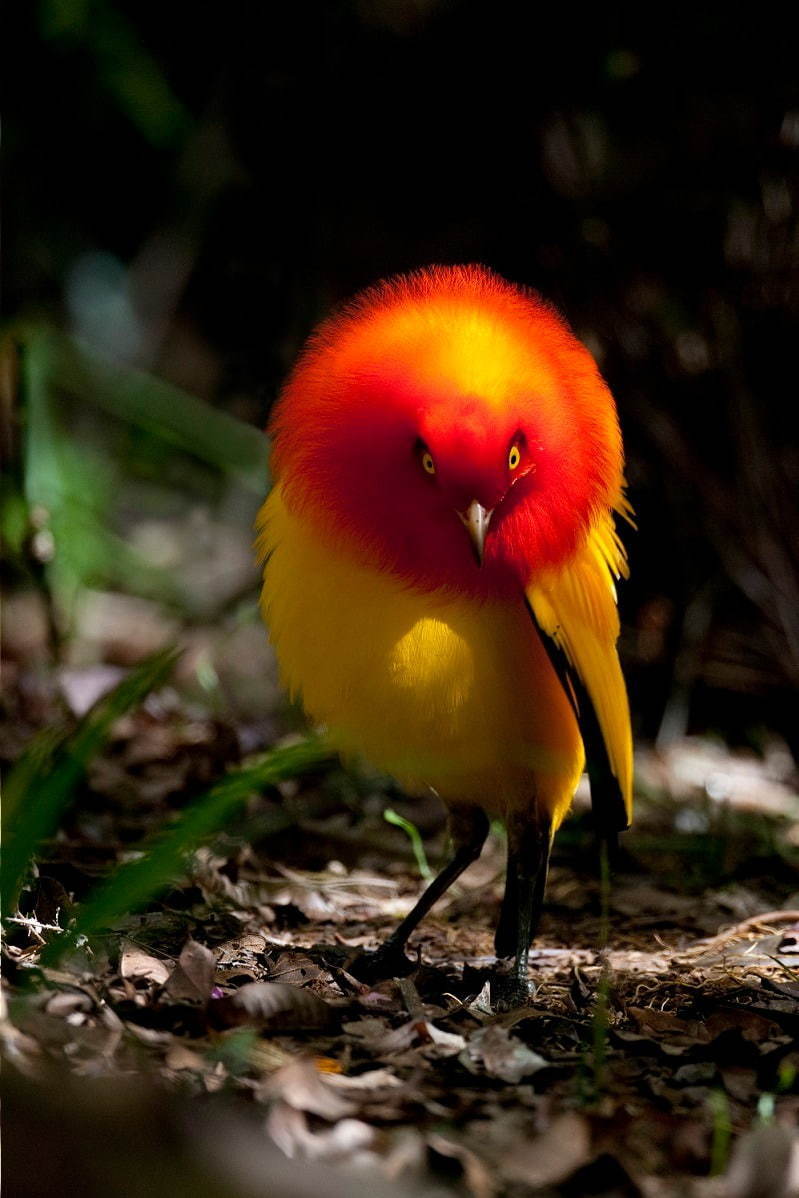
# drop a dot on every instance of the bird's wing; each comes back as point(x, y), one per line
point(575, 610)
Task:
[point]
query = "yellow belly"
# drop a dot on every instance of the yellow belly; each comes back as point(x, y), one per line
point(439, 692)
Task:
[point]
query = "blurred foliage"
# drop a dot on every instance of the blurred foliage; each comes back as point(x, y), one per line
point(162, 859)
point(126, 71)
point(190, 194)
point(65, 513)
point(45, 779)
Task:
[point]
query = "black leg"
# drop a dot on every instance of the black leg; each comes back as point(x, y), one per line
point(529, 842)
point(468, 830)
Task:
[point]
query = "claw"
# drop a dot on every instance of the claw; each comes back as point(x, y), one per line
point(509, 991)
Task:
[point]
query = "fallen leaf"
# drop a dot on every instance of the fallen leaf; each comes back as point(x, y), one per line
point(373, 1079)
point(481, 1005)
point(553, 1156)
point(241, 952)
point(649, 1019)
point(271, 1004)
point(180, 1057)
point(418, 1032)
point(695, 1073)
point(82, 686)
point(289, 1129)
point(365, 1029)
point(476, 1174)
point(752, 1025)
point(740, 1083)
point(67, 1002)
point(765, 1164)
point(499, 1054)
point(296, 969)
point(192, 979)
point(301, 1087)
point(135, 962)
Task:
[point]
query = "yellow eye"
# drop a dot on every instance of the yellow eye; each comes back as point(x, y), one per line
point(428, 463)
point(514, 457)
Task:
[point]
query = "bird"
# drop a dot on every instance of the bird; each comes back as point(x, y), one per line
point(441, 552)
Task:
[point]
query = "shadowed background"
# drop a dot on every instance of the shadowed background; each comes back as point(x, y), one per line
point(189, 191)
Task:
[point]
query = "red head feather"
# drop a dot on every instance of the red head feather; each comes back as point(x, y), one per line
point(448, 369)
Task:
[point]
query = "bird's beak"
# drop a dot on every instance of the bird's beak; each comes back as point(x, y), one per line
point(476, 520)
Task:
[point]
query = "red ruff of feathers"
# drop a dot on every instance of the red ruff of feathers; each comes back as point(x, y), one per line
point(459, 362)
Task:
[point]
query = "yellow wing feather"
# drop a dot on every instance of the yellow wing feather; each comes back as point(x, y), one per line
point(576, 606)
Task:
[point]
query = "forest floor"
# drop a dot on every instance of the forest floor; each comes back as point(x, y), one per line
point(219, 1039)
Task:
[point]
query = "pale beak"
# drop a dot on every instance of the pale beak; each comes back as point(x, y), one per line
point(476, 520)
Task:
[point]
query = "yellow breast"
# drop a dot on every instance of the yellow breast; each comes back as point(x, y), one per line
point(437, 691)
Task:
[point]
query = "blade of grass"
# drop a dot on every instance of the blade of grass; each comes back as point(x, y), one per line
point(412, 832)
point(43, 782)
point(165, 856)
point(173, 415)
point(722, 1132)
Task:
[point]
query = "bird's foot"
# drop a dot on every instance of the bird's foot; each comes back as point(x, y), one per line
point(388, 961)
point(510, 988)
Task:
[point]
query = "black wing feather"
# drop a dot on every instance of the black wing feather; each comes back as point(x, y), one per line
point(607, 801)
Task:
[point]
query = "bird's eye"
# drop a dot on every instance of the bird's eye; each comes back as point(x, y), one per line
point(514, 457)
point(428, 465)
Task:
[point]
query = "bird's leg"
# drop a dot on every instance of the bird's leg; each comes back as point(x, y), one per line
point(468, 831)
point(529, 843)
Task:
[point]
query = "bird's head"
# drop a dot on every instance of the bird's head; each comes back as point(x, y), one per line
point(448, 427)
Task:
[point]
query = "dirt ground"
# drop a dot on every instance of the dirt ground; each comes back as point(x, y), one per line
point(218, 1039)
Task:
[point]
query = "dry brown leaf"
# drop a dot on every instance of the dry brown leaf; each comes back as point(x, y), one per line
point(672, 1033)
point(241, 951)
point(419, 1032)
point(553, 1156)
point(365, 1029)
point(192, 979)
point(651, 1020)
point(272, 1004)
point(296, 969)
point(495, 1051)
point(300, 1086)
point(740, 1083)
point(135, 962)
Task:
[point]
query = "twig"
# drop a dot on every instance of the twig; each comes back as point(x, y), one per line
point(754, 922)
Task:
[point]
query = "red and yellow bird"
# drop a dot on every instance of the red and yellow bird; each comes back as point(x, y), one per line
point(441, 559)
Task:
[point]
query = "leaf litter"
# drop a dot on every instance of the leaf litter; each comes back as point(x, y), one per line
point(235, 987)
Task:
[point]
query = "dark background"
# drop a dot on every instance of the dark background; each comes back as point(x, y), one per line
point(189, 188)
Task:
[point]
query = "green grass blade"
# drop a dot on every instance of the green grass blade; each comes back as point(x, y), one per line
point(722, 1132)
point(166, 411)
point(43, 782)
point(412, 832)
point(165, 856)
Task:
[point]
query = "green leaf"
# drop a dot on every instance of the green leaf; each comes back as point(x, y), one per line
point(44, 780)
point(173, 415)
point(164, 857)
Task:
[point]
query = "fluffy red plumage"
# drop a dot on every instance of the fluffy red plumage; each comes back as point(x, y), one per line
point(393, 375)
